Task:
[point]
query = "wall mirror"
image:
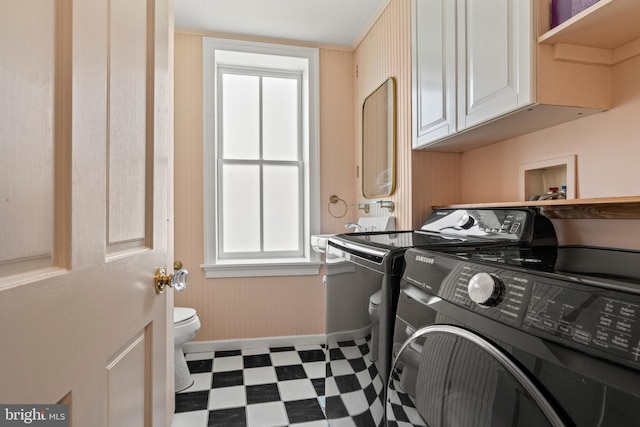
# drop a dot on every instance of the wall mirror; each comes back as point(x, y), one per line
point(379, 141)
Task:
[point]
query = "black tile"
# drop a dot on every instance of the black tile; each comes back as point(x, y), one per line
point(256, 360)
point(200, 366)
point(227, 353)
point(262, 393)
point(405, 400)
point(328, 372)
point(300, 411)
point(373, 371)
point(194, 401)
point(336, 354)
point(335, 408)
point(233, 417)
point(318, 385)
point(364, 349)
point(364, 420)
point(280, 349)
point(370, 393)
point(291, 372)
point(311, 355)
point(398, 413)
point(227, 379)
point(347, 343)
point(358, 364)
point(347, 383)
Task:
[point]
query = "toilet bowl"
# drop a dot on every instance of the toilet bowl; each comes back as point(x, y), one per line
point(374, 315)
point(185, 326)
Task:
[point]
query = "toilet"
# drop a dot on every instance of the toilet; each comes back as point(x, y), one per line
point(185, 326)
point(374, 316)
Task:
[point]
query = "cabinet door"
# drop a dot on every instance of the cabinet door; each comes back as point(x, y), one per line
point(495, 46)
point(433, 70)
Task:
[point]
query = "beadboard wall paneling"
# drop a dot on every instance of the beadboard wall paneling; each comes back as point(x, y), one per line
point(423, 178)
point(337, 157)
point(264, 306)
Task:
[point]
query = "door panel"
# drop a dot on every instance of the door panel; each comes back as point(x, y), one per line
point(26, 96)
point(87, 136)
point(127, 143)
point(494, 58)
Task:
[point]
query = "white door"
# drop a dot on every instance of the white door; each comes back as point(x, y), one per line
point(85, 132)
point(433, 33)
point(495, 42)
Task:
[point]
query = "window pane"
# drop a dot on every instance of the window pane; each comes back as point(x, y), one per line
point(240, 117)
point(241, 208)
point(281, 208)
point(280, 97)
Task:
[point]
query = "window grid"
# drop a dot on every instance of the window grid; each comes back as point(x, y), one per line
point(261, 163)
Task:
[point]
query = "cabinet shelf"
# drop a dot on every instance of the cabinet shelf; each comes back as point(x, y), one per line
point(596, 208)
point(607, 24)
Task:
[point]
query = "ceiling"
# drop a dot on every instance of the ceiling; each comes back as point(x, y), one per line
point(324, 22)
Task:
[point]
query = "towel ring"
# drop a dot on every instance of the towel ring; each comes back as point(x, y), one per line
point(334, 200)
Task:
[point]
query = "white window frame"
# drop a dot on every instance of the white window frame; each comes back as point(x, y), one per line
point(234, 53)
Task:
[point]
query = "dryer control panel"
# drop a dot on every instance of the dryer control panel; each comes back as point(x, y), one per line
point(564, 309)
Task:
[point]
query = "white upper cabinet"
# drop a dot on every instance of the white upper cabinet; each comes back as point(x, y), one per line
point(494, 58)
point(433, 70)
point(479, 75)
point(472, 62)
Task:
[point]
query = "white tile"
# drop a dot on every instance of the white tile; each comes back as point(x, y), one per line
point(323, 423)
point(229, 363)
point(267, 414)
point(262, 375)
point(199, 356)
point(201, 382)
point(364, 378)
point(351, 352)
point(296, 390)
point(341, 367)
point(227, 397)
point(355, 402)
point(254, 351)
point(309, 347)
point(315, 369)
point(285, 358)
point(190, 419)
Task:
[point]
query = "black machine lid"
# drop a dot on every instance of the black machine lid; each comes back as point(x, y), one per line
point(463, 227)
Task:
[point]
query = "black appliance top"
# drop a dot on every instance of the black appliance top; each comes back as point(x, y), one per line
point(482, 227)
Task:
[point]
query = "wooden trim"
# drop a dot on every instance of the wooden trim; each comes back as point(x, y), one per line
point(596, 208)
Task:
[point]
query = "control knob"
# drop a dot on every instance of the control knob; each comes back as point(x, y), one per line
point(484, 288)
point(465, 222)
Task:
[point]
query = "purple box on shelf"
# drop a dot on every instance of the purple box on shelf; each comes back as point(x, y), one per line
point(561, 10)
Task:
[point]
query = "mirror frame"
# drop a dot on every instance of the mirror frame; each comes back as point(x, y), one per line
point(379, 141)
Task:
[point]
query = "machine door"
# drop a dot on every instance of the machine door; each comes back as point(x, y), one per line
point(446, 376)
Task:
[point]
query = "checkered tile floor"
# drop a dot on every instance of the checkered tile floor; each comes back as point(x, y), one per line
point(354, 389)
point(282, 386)
point(403, 412)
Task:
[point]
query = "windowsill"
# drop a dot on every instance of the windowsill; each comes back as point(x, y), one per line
point(261, 268)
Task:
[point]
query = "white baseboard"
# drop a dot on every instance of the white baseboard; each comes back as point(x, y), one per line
point(249, 343)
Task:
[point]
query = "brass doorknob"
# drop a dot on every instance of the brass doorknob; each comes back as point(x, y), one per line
point(178, 280)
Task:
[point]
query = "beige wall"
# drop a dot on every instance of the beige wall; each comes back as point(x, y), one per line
point(266, 306)
point(607, 146)
point(423, 179)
